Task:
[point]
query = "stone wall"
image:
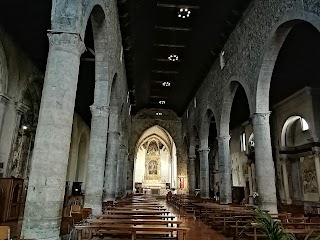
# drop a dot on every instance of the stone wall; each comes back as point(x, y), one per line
point(250, 54)
point(17, 76)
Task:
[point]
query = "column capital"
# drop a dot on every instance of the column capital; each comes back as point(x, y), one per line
point(260, 118)
point(21, 108)
point(69, 42)
point(192, 157)
point(204, 150)
point(223, 138)
point(99, 111)
point(4, 98)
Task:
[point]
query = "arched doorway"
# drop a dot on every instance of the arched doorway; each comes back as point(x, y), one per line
point(155, 164)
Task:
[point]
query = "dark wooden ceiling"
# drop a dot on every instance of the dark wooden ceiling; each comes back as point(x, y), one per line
point(152, 31)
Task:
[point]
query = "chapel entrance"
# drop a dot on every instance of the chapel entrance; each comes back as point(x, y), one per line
point(155, 164)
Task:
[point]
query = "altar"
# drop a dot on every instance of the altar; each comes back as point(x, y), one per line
point(152, 182)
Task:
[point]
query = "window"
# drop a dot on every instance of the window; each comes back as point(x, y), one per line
point(243, 146)
point(304, 125)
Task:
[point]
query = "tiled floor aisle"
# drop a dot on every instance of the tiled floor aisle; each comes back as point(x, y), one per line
point(198, 230)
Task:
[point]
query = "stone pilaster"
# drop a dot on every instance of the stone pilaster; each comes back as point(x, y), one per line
point(130, 173)
point(192, 174)
point(265, 172)
point(47, 181)
point(204, 172)
point(225, 169)
point(125, 173)
point(285, 179)
point(111, 165)
point(97, 156)
point(120, 171)
point(3, 103)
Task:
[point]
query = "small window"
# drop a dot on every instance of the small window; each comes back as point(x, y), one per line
point(304, 125)
point(243, 142)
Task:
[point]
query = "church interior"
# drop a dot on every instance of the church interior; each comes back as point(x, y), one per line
point(185, 119)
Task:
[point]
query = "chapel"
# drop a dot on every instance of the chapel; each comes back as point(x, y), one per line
point(180, 119)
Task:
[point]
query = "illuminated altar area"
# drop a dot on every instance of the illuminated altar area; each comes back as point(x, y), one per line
point(155, 168)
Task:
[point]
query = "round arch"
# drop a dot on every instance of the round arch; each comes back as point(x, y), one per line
point(278, 36)
point(230, 91)
point(289, 127)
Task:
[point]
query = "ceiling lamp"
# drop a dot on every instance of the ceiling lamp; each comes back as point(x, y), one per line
point(173, 57)
point(159, 113)
point(166, 84)
point(184, 13)
point(162, 102)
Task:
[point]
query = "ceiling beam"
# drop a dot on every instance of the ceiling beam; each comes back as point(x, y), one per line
point(169, 45)
point(177, 6)
point(173, 28)
point(165, 72)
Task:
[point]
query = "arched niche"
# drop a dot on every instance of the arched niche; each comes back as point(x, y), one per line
point(295, 132)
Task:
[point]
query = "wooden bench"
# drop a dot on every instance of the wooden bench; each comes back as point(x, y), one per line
point(135, 221)
point(132, 230)
point(114, 216)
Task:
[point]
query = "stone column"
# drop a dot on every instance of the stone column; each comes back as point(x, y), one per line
point(97, 156)
point(225, 170)
point(110, 177)
point(47, 181)
point(265, 173)
point(192, 174)
point(120, 171)
point(204, 172)
point(130, 173)
point(3, 103)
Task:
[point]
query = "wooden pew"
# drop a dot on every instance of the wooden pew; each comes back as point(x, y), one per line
point(136, 221)
point(114, 216)
point(132, 230)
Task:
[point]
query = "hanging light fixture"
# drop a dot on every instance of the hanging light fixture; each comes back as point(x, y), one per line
point(173, 57)
point(166, 84)
point(184, 13)
point(162, 102)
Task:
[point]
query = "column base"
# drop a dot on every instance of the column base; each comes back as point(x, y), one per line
point(94, 202)
point(45, 230)
point(271, 207)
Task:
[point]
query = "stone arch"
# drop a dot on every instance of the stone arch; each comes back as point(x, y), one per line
point(288, 124)
point(166, 132)
point(278, 36)
point(3, 71)
point(174, 135)
point(230, 91)
point(95, 9)
point(205, 124)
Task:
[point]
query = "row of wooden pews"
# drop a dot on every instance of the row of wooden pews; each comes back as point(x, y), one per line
point(139, 216)
point(241, 222)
